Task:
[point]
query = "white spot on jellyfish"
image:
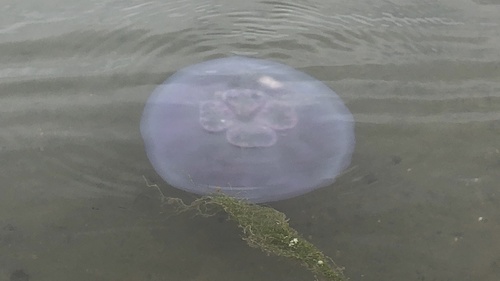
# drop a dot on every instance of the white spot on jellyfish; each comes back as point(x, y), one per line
point(270, 82)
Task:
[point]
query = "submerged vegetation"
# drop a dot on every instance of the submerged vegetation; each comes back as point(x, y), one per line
point(264, 228)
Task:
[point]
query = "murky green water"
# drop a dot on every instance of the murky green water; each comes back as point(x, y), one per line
point(419, 202)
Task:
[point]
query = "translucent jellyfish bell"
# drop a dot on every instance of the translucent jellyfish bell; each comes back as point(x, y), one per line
point(250, 128)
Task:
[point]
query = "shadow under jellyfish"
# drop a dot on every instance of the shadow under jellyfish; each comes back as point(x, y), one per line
point(252, 129)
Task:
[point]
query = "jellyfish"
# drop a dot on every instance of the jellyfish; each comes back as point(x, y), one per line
point(250, 128)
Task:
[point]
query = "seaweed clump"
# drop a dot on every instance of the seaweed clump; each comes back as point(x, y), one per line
point(264, 228)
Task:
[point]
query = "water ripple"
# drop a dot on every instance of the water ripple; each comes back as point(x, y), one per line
point(75, 77)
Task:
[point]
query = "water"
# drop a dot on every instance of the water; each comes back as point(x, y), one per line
point(419, 202)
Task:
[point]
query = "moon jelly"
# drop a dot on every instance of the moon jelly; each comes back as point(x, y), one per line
point(250, 128)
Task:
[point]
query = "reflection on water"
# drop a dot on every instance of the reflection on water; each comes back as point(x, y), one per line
point(421, 77)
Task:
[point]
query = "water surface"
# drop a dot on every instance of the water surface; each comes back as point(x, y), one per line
point(419, 202)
